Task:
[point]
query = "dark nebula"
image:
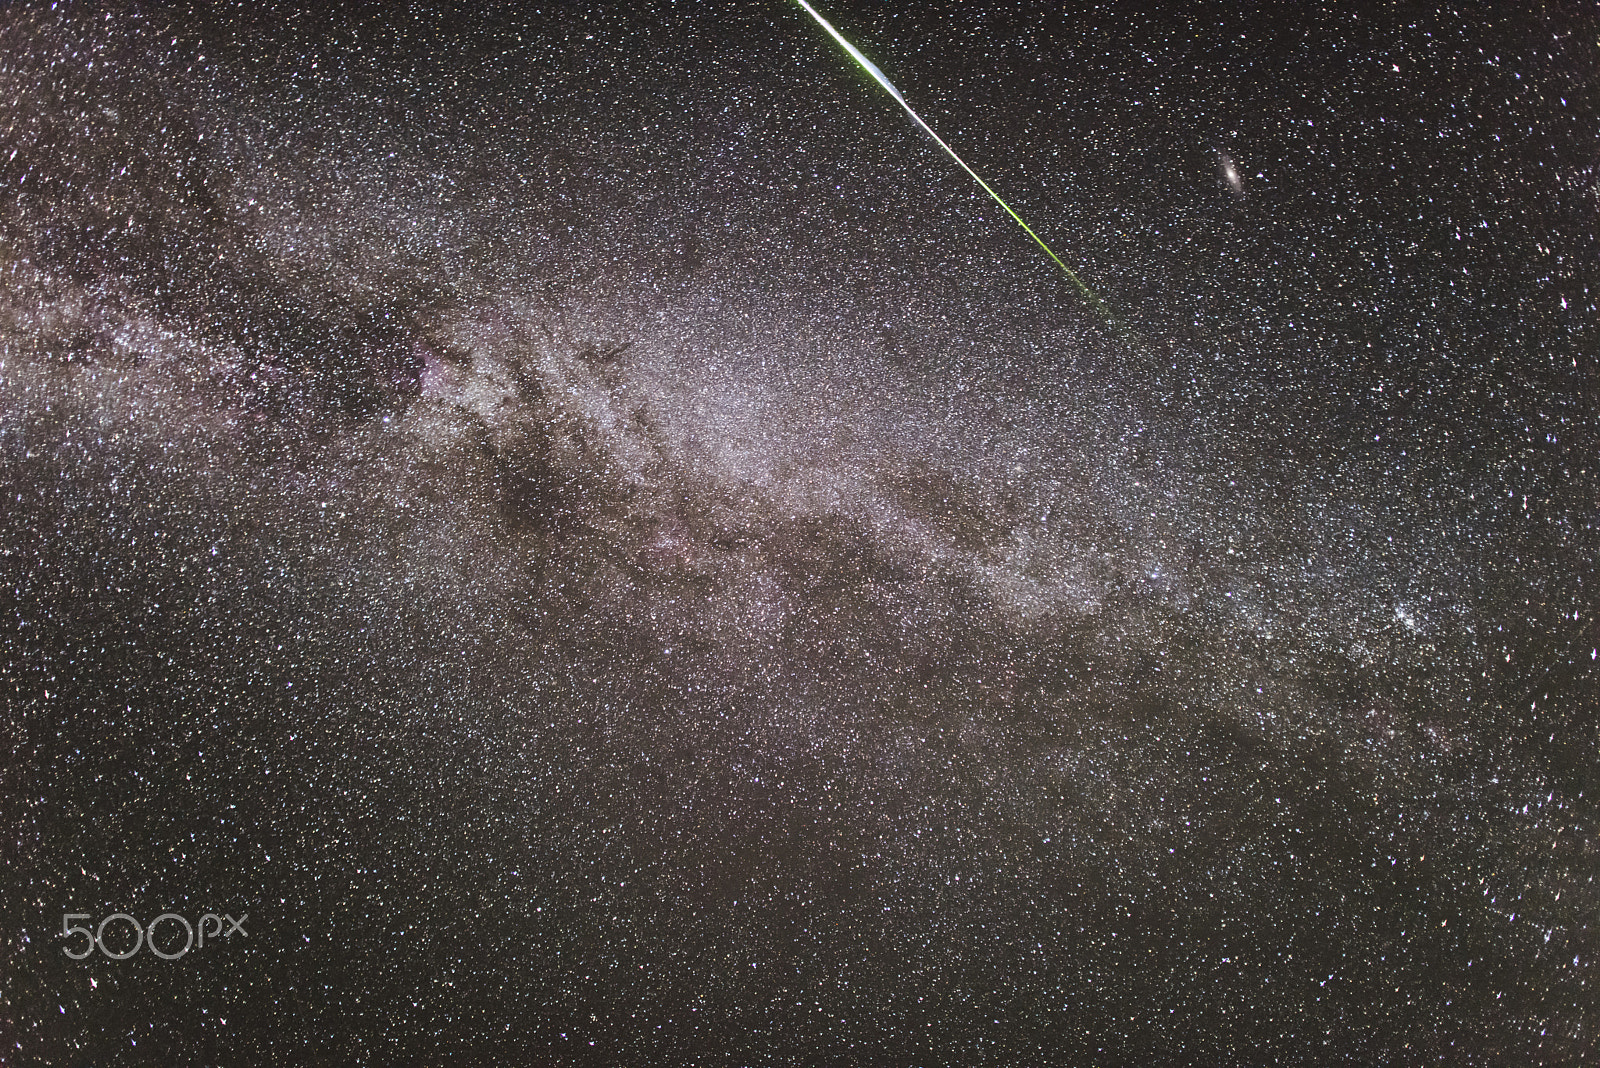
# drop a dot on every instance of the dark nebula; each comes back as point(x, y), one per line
point(586, 527)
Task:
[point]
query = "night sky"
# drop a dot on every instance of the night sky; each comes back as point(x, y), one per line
point(611, 549)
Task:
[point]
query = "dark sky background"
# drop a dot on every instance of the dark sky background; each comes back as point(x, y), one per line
point(589, 528)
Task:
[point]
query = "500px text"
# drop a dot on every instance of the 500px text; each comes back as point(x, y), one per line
point(147, 935)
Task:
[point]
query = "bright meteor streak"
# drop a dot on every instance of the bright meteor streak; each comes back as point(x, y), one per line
point(878, 76)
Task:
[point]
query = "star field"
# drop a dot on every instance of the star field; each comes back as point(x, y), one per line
point(596, 536)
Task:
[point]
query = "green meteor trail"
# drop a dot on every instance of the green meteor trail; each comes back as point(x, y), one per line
point(878, 76)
